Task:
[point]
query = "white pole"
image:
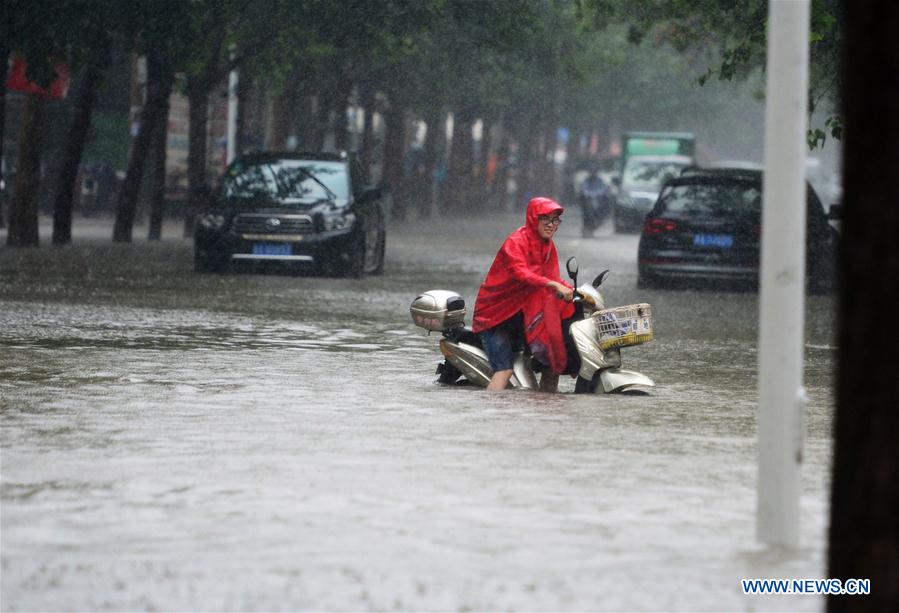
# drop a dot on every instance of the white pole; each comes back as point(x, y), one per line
point(232, 115)
point(782, 290)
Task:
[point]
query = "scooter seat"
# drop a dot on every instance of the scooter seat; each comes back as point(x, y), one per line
point(463, 334)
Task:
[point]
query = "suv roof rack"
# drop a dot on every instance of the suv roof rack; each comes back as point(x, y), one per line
point(693, 171)
point(296, 155)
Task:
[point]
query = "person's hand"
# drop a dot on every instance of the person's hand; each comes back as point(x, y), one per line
point(562, 291)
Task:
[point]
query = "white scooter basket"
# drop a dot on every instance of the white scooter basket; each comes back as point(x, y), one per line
point(624, 326)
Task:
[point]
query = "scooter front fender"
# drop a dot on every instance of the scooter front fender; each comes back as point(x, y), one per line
point(614, 380)
point(593, 358)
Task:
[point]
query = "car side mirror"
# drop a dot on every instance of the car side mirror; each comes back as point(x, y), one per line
point(369, 193)
point(835, 212)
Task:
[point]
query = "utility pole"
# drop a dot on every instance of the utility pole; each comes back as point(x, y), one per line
point(782, 397)
point(231, 146)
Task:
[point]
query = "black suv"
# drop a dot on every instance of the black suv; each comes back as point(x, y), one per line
point(706, 226)
point(309, 209)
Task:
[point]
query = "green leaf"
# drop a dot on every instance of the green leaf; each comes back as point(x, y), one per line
point(816, 138)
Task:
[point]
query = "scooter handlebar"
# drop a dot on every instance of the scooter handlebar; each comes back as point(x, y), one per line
point(579, 297)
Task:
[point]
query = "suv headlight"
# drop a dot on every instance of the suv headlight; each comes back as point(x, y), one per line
point(211, 221)
point(338, 220)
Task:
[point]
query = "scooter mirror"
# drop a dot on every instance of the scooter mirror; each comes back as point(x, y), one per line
point(600, 278)
point(571, 265)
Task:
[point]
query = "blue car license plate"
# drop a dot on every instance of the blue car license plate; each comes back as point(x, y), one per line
point(724, 241)
point(272, 249)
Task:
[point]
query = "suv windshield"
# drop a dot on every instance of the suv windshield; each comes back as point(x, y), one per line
point(288, 181)
point(716, 198)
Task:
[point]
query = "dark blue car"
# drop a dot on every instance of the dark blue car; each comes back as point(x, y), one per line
point(705, 229)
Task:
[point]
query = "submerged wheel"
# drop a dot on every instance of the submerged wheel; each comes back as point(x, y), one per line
point(583, 386)
point(355, 267)
point(382, 248)
point(448, 373)
point(205, 264)
point(645, 281)
point(821, 274)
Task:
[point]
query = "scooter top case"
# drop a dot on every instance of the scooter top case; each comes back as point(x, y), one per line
point(438, 310)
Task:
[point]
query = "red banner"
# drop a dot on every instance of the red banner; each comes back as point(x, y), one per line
point(17, 81)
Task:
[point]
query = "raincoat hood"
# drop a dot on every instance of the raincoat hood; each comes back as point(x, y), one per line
point(540, 206)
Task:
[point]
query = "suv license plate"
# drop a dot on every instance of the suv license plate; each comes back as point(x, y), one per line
point(272, 249)
point(724, 241)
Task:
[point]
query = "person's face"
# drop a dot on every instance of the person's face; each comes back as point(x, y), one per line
point(548, 224)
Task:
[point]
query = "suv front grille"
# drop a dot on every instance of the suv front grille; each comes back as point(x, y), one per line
point(259, 223)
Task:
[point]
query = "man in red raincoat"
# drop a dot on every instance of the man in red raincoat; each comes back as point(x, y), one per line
point(521, 297)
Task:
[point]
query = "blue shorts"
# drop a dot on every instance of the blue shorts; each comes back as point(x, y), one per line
point(502, 341)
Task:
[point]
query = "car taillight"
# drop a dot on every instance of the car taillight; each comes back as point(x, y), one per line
point(658, 225)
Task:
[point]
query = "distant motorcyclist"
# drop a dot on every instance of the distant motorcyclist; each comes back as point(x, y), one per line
point(519, 299)
point(593, 197)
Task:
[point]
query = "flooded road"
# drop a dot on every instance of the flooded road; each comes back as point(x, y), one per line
point(173, 441)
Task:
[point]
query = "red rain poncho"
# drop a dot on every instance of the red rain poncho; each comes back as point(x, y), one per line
point(517, 282)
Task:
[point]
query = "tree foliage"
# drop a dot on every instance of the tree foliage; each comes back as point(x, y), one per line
point(529, 66)
point(727, 41)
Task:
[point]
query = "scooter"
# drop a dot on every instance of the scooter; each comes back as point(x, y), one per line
point(597, 334)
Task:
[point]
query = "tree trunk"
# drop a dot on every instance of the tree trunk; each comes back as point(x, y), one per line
point(4, 69)
point(306, 124)
point(864, 530)
point(243, 99)
point(435, 128)
point(366, 150)
point(157, 201)
point(501, 185)
point(64, 200)
point(276, 130)
point(547, 182)
point(291, 111)
point(477, 194)
point(324, 102)
point(198, 116)
point(573, 147)
point(159, 86)
point(395, 124)
point(459, 178)
point(23, 213)
point(526, 174)
point(341, 102)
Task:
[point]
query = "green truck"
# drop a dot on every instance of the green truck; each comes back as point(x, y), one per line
point(657, 143)
point(648, 159)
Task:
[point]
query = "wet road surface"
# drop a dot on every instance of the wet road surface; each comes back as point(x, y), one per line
point(277, 442)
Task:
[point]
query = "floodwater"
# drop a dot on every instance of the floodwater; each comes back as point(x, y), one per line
point(173, 441)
